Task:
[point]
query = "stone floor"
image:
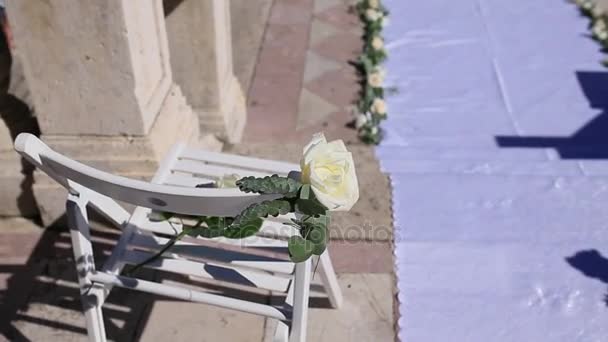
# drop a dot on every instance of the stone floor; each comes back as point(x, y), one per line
point(302, 83)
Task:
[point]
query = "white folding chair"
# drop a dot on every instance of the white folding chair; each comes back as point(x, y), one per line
point(173, 190)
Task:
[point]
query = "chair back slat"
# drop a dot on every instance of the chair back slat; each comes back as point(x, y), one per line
point(188, 201)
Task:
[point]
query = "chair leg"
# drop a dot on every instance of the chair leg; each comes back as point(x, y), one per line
point(92, 302)
point(92, 295)
point(281, 334)
point(330, 281)
point(300, 302)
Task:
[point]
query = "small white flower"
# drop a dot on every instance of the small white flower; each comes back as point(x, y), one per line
point(374, 130)
point(597, 11)
point(373, 3)
point(599, 29)
point(385, 21)
point(360, 121)
point(380, 70)
point(372, 14)
point(379, 106)
point(228, 181)
point(588, 5)
point(375, 80)
point(377, 43)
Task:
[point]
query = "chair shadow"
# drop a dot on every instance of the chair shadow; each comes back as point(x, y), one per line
point(44, 290)
point(589, 141)
point(48, 280)
point(592, 264)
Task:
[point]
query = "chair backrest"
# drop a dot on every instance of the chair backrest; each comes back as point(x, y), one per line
point(187, 201)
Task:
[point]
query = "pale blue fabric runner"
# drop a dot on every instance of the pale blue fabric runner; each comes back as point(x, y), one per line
point(497, 148)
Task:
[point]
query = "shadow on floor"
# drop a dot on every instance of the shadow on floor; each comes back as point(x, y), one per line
point(43, 292)
point(41, 298)
point(588, 142)
point(592, 264)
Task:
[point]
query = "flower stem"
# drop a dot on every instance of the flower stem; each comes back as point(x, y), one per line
point(162, 251)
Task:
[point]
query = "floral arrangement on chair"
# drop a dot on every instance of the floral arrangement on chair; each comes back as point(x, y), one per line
point(372, 108)
point(599, 22)
point(327, 182)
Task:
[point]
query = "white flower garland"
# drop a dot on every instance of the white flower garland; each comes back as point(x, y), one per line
point(372, 108)
point(599, 22)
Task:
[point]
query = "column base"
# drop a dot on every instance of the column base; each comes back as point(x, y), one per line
point(135, 157)
point(227, 122)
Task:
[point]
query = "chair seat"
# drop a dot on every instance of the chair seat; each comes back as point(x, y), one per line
point(259, 261)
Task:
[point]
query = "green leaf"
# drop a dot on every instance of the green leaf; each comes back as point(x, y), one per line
point(305, 192)
point(244, 229)
point(274, 184)
point(249, 221)
point(299, 249)
point(310, 207)
point(315, 231)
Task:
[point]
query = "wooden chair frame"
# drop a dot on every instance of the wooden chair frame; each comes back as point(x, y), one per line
point(173, 189)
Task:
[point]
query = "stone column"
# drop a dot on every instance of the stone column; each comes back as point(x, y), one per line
point(201, 59)
point(101, 84)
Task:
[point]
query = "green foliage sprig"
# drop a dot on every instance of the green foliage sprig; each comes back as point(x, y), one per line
point(312, 221)
point(371, 108)
point(598, 24)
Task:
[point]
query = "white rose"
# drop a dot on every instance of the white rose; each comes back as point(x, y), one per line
point(373, 3)
point(375, 79)
point(330, 171)
point(360, 121)
point(377, 43)
point(379, 106)
point(372, 14)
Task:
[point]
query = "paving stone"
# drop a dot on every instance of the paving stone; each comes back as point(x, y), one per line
point(319, 31)
point(317, 65)
point(183, 321)
point(366, 314)
point(312, 109)
point(337, 86)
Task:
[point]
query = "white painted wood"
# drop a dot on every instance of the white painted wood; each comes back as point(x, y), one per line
point(301, 294)
point(281, 334)
point(210, 202)
point(261, 165)
point(330, 281)
point(187, 180)
point(91, 299)
point(213, 171)
point(189, 295)
point(172, 189)
point(209, 270)
point(210, 253)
